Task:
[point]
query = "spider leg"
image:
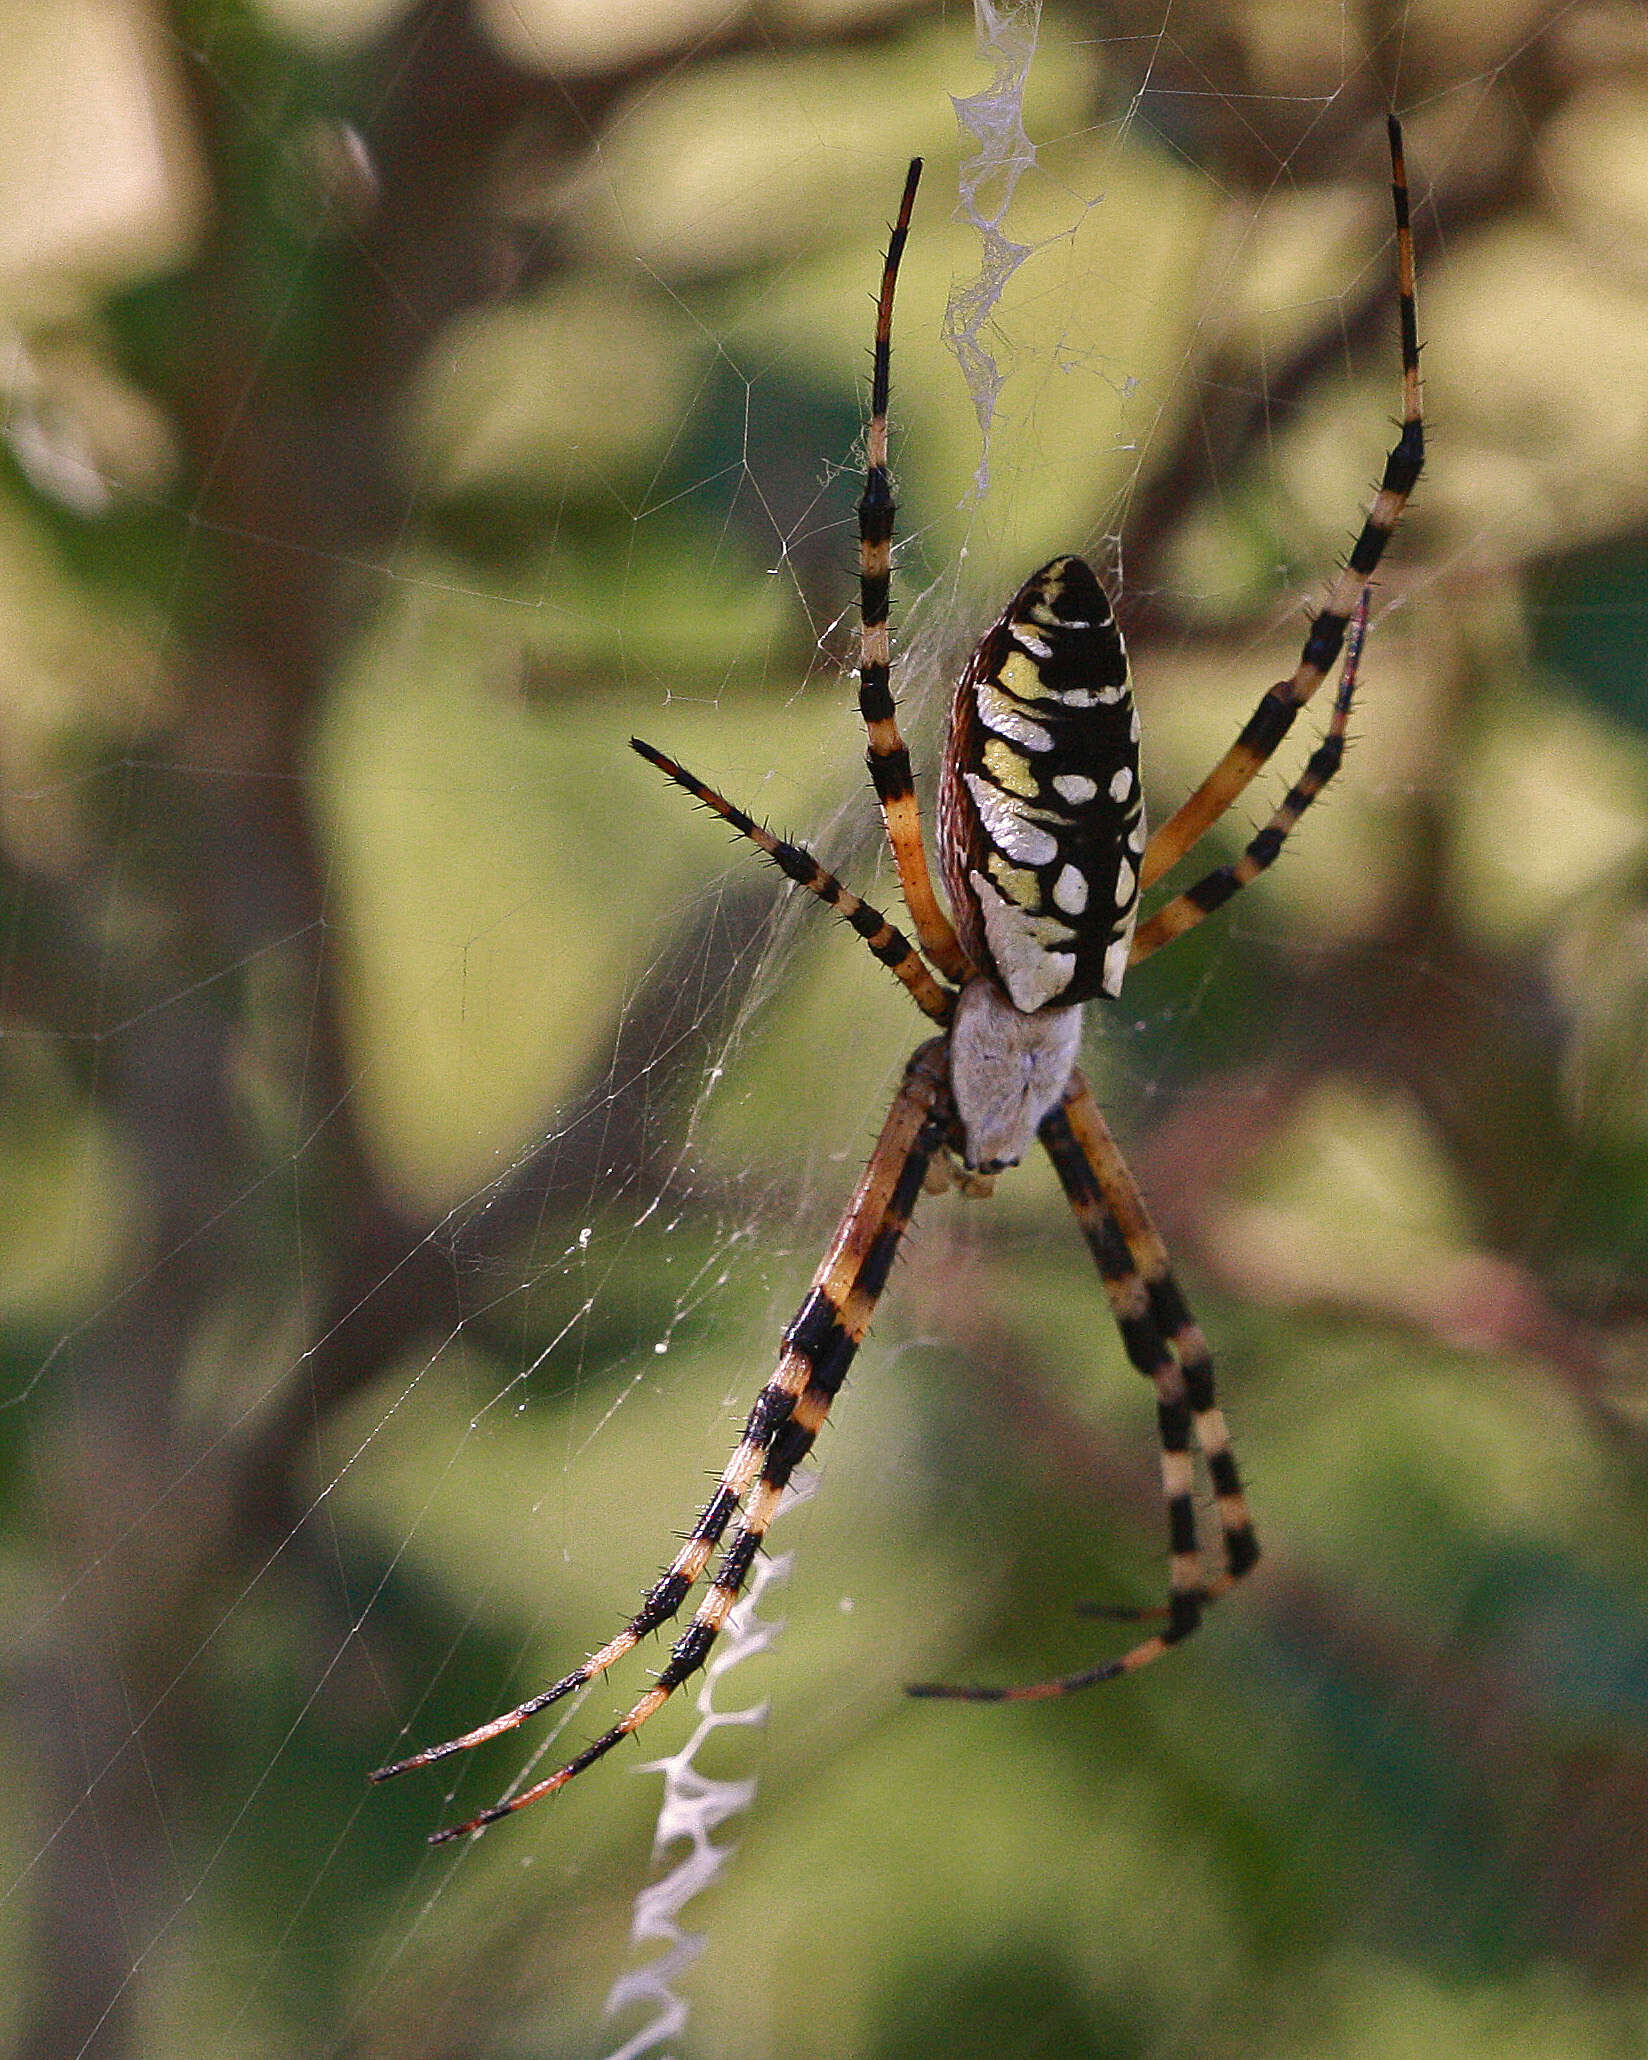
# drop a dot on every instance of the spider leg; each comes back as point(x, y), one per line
point(1079, 1114)
point(889, 759)
point(1167, 1346)
point(788, 1414)
point(1273, 718)
point(886, 941)
point(1186, 910)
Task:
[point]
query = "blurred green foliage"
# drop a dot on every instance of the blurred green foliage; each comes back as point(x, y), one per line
point(417, 1126)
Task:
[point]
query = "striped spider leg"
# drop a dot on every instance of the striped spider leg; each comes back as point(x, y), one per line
point(888, 757)
point(1042, 850)
point(1273, 718)
point(788, 1414)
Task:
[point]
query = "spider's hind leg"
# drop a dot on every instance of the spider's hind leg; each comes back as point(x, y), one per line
point(1274, 716)
point(1211, 892)
point(889, 757)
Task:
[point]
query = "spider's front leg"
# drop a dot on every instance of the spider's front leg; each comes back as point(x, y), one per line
point(788, 1415)
point(1165, 1343)
point(1090, 1166)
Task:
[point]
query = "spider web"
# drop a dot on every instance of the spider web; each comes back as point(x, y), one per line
point(419, 1133)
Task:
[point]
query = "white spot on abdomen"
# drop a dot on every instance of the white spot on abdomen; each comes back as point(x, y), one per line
point(1070, 891)
point(1007, 719)
point(1006, 828)
point(1032, 973)
point(1115, 960)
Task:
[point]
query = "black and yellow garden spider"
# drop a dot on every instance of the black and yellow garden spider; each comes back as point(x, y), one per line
point(1043, 853)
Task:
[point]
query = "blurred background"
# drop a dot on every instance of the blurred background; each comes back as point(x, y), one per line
point(418, 1123)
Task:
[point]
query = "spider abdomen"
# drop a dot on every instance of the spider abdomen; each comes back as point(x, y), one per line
point(1041, 819)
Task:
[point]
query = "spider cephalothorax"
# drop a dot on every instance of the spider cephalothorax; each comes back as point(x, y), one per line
point(1043, 855)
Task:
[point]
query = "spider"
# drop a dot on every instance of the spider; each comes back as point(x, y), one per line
point(1043, 854)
